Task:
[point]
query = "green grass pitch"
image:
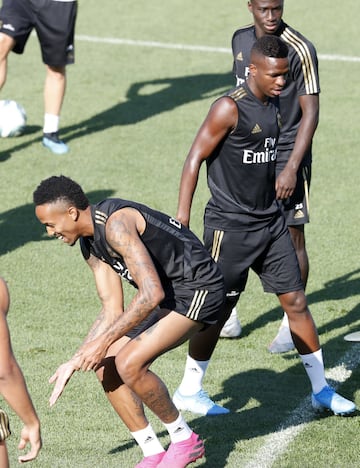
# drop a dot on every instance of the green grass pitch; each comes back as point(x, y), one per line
point(130, 114)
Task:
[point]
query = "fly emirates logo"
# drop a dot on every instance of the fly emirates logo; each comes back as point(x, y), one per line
point(261, 157)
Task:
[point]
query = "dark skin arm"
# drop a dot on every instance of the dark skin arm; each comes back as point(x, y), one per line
point(123, 231)
point(220, 121)
point(286, 181)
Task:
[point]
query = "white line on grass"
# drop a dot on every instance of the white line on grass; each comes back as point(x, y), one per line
point(160, 45)
point(194, 48)
point(276, 443)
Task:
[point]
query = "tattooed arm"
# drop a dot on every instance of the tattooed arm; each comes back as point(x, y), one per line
point(123, 231)
point(110, 292)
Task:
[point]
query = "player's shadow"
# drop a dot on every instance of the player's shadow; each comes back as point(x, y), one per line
point(20, 143)
point(261, 402)
point(336, 289)
point(19, 225)
point(143, 100)
point(30, 129)
point(257, 408)
point(148, 98)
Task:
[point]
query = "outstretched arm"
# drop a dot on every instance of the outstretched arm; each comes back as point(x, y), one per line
point(221, 120)
point(13, 387)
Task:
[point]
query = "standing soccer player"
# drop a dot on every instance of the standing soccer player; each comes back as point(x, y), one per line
point(54, 23)
point(299, 106)
point(244, 226)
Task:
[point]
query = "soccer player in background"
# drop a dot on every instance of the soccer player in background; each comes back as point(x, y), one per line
point(244, 226)
point(299, 108)
point(14, 390)
point(54, 23)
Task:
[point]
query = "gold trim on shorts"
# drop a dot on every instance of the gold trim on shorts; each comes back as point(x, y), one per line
point(4, 426)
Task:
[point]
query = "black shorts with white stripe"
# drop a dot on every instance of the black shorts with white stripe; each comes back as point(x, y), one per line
point(201, 305)
point(4, 426)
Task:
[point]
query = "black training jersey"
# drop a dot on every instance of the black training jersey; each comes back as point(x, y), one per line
point(241, 171)
point(303, 77)
point(178, 255)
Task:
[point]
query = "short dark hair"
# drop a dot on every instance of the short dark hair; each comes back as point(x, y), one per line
point(60, 188)
point(270, 46)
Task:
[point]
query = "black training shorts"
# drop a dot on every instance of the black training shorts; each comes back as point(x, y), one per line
point(54, 22)
point(200, 305)
point(268, 251)
point(296, 208)
point(4, 426)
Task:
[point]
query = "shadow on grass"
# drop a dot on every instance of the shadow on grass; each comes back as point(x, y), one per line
point(144, 100)
point(262, 400)
point(29, 129)
point(339, 288)
point(19, 225)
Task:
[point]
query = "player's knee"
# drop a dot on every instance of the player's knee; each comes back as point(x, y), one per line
point(6, 44)
point(56, 73)
point(128, 370)
point(294, 303)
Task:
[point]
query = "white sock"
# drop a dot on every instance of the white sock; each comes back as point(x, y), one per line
point(178, 430)
point(193, 376)
point(51, 123)
point(314, 367)
point(285, 321)
point(148, 441)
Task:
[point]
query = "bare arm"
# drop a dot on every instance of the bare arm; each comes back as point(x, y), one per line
point(124, 231)
point(110, 292)
point(13, 387)
point(123, 234)
point(220, 121)
point(286, 181)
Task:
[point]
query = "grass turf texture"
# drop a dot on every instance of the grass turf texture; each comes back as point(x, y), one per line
point(130, 115)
